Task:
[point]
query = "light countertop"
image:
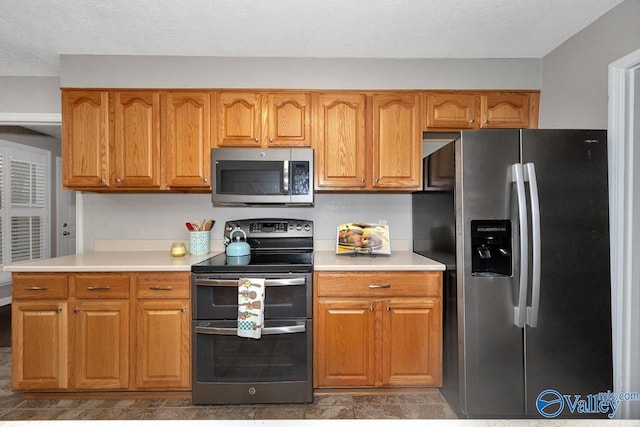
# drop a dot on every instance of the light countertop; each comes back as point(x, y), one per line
point(397, 261)
point(112, 261)
point(109, 261)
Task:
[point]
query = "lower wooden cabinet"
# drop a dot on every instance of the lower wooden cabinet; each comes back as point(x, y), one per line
point(100, 344)
point(378, 329)
point(39, 345)
point(101, 331)
point(162, 332)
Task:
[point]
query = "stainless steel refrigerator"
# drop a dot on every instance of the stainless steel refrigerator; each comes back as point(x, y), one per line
point(524, 231)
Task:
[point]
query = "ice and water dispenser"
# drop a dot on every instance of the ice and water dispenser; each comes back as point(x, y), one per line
point(491, 247)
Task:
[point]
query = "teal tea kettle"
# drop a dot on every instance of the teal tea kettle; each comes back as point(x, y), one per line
point(237, 247)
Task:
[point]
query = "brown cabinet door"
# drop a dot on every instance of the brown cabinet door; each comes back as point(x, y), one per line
point(345, 343)
point(504, 110)
point(451, 111)
point(341, 155)
point(39, 345)
point(412, 342)
point(162, 344)
point(239, 116)
point(186, 139)
point(85, 139)
point(136, 139)
point(397, 142)
point(288, 119)
point(100, 344)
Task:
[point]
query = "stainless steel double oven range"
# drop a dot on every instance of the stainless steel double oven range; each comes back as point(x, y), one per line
point(276, 368)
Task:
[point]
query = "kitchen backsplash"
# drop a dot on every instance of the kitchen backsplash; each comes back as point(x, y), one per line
point(161, 217)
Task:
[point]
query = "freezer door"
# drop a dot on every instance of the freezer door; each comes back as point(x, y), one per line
point(491, 345)
point(570, 348)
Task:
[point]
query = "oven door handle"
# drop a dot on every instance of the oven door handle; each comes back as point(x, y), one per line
point(296, 281)
point(265, 331)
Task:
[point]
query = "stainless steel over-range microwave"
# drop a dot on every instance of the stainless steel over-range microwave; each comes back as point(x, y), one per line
point(262, 176)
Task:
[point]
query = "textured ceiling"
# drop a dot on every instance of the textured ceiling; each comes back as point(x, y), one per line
point(33, 33)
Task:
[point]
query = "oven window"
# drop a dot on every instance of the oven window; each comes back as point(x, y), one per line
point(229, 358)
point(221, 302)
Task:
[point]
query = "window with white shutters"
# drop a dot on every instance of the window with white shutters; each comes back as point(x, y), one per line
point(25, 182)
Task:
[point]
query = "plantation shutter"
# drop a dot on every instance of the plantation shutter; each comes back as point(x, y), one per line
point(25, 184)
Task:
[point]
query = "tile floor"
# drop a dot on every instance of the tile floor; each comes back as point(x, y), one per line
point(407, 404)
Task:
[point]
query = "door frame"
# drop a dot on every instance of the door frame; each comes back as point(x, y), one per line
point(624, 197)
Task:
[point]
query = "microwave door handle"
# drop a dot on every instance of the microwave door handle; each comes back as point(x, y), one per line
point(285, 177)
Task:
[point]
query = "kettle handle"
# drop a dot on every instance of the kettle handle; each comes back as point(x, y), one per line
point(240, 230)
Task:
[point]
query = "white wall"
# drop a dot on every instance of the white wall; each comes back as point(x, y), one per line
point(162, 216)
point(575, 75)
point(299, 73)
point(30, 95)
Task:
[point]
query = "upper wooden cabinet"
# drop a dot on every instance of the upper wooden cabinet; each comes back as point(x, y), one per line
point(160, 140)
point(461, 110)
point(128, 140)
point(136, 141)
point(263, 119)
point(351, 155)
point(397, 142)
point(340, 141)
point(186, 140)
point(85, 139)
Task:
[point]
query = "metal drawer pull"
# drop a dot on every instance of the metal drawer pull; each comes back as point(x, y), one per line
point(98, 288)
point(265, 331)
point(161, 288)
point(35, 288)
point(234, 282)
point(379, 286)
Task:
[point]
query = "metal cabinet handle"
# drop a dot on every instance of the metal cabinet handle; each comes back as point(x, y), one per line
point(385, 286)
point(160, 288)
point(184, 310)
point(205, 180)
point(256, 139)
point(362, 180)
point(102, 180)
point(59, 310)
point(471, 121)
point(118, 180)
point(388, 308)
point(372, 309)
point(98, 288)
point(35, 288)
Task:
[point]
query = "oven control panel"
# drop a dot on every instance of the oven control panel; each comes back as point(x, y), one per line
point(271, 227)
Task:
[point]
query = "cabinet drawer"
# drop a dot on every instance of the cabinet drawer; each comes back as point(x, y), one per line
point(162, 285)
point(378, 284)
point(39, 286)
point(100, 285)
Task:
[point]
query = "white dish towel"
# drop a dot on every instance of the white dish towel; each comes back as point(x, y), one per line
point(250, 307)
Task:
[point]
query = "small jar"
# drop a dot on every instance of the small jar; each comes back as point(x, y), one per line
point(178, 249)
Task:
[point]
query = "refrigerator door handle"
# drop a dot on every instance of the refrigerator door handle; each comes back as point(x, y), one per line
point(520, 312)
point(532, 312)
